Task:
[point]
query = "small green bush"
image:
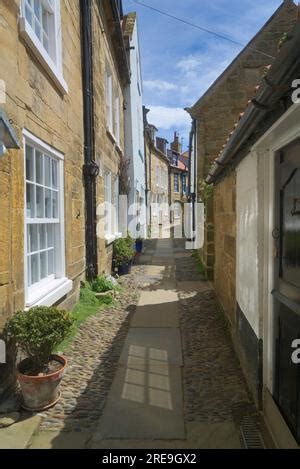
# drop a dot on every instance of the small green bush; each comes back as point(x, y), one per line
point(102, 284)
point(123, 251)
point(38, 331)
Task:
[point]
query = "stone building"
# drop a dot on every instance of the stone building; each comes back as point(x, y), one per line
point(42, 242)
point(63, 74)
point(262, 157)
point(178, 183)
point(228, 97)
point(157, 182)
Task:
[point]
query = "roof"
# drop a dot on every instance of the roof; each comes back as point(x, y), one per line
point(265, 108)
point(129, 24)
point(246, 49)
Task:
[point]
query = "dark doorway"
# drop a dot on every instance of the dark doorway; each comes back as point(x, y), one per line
point(287, 284)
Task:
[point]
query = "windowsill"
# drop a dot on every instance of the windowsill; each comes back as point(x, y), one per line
point(51, 295)
point(114, 140)
point(43, 57)
point(109, 239)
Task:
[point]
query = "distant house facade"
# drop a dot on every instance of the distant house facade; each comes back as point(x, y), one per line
point(134, 131)
point(157, 170)
point(262, 154)
point(178, 182)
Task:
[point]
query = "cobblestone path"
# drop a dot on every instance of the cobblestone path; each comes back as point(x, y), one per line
point(215, 396)
point(93, 357)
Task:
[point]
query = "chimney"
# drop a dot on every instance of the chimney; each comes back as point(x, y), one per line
point(176, 145)
point(161, 144)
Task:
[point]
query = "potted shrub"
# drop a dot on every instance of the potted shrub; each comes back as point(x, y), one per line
point(37, 333)
point(123, 255)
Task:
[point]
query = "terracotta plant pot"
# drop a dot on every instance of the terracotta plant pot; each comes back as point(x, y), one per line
point(41, 392)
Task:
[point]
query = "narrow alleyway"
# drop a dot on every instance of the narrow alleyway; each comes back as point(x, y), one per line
point(175, 381)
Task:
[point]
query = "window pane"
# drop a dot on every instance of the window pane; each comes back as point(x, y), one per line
point(39, 202)
point(29, 163)
point(50, 237)
point(50, 262)
point(46, 42)
point(38, 29)
point(47, 162)
point(44, 265)
point(28, 15)
point(45, 21)
point(54, 174)
point(34, 268)
point(39, 167)
point(37, 8)
point(48, 211)
point(33, 238)
point(30, 200)
point(54, 204)
point(42, 237)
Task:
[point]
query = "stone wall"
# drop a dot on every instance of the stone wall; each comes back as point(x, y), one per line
point(224, 244)
point(34, 102)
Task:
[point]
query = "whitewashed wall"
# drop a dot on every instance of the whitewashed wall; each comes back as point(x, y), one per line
point(247, 240)
point(134, 129)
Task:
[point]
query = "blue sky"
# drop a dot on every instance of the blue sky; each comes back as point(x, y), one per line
point(179, 62)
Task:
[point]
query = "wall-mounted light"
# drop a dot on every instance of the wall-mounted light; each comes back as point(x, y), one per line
point(8, 138)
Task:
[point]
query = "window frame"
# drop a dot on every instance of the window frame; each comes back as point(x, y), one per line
point(176, 185)
point(52, 288)
point(53, 66)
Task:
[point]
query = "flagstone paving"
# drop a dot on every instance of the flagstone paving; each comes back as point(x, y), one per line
point(142, 377)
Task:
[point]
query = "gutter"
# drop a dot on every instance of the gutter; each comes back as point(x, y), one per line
point(90, 168)
point(278, 80)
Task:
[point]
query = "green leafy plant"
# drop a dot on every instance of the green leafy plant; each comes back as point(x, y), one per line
point(38, 331)
point(102, 284)
point(206, 190)
point(123, 251)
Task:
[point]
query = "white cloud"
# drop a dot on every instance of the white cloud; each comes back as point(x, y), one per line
point(159, 85)
point(189, 64)
point(167, 118)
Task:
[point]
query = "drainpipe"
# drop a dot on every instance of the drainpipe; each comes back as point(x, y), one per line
point(90, 168)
